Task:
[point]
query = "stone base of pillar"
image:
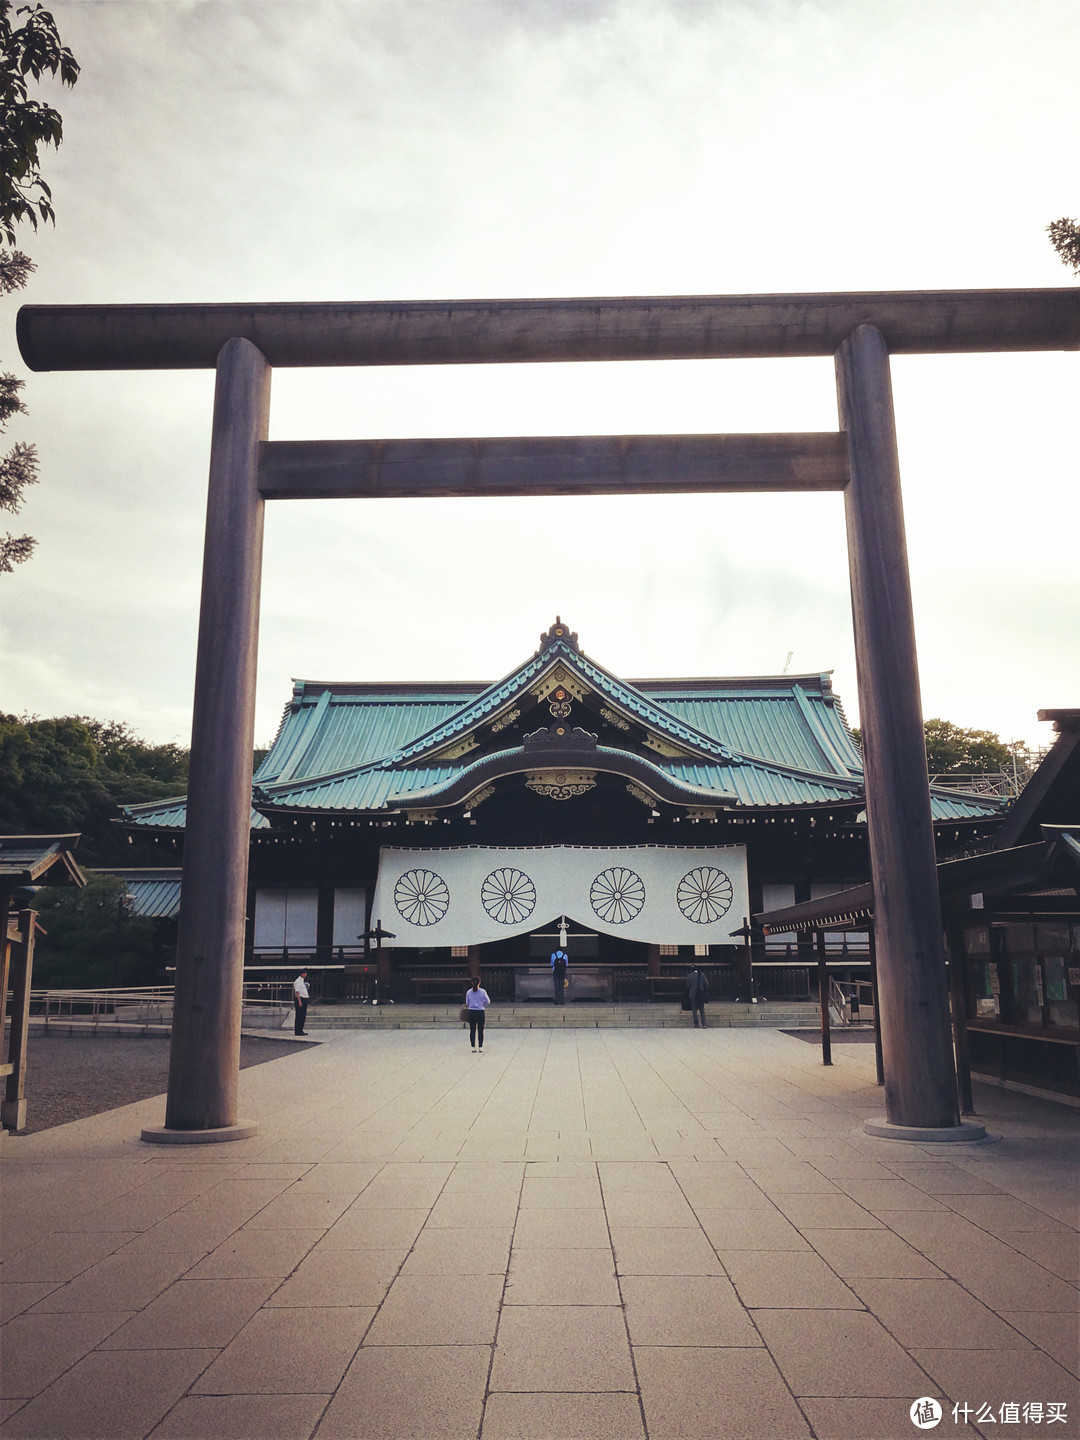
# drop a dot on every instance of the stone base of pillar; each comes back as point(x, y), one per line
point(928, 1134)
point(161, 1135)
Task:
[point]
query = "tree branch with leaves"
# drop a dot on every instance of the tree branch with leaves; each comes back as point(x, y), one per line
point(18, 469)
point(1065, 238)
point(27, 52)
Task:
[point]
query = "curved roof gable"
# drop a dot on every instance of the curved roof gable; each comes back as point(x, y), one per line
point(562, 655)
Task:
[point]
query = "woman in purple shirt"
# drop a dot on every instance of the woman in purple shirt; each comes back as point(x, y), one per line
point(476, 1002)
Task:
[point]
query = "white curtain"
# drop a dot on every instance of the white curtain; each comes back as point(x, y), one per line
point(286, 918)
point(349, 915)
point(779, 897)
point(657, 894)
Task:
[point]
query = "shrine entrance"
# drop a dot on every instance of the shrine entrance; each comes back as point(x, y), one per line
point(858, 331)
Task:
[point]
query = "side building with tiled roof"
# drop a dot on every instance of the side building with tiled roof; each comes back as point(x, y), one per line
point(644, 819)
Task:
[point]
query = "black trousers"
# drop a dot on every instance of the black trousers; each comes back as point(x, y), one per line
point(299, 1015)
point(560, 980)
point(698, 1007)
point(476, 1027)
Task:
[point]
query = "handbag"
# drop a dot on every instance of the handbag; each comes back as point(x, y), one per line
point(686, 1005)
point(463, 1013)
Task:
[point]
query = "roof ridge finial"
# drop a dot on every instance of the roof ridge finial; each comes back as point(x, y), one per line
point(559, 632)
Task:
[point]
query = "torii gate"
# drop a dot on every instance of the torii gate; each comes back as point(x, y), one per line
point(243, 342)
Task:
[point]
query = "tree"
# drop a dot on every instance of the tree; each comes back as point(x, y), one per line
point(952, 750)
point(18, 468)
point(32, 49)
point(1065, 238)
point(72, 773)
point(92, 940)
point(29, 50)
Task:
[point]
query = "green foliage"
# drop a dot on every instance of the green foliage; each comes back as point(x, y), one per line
point(71, 774)
point(19, 467)
point(1065, 238)
point(952, 750)
point(93, 940)
point(27, 51)
point(15, 270)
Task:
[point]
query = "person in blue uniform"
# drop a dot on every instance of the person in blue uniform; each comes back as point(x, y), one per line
point(559, 962)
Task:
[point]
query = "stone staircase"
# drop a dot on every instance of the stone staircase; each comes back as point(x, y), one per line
point(581, 1015)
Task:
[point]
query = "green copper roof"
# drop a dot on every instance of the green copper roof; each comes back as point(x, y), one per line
point(801, 724)
point(172, 815)
point(152, 893)
point(765, 742)
point(328, 728)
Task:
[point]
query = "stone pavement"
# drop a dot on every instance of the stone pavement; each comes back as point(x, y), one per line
point(597, 1233)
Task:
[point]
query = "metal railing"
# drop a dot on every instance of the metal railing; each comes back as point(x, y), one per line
point(1005, 784)
point(852, 1001)
point(142, 1006)
point(839, 1003)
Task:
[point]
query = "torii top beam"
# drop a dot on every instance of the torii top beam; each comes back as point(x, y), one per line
point(479, 332)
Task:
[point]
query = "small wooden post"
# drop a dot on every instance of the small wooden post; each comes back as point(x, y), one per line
point(879, 1063)
point(959, 996)
point(384, 969)
point(744, 963)
point(5, 951)
point(13, 1109)
point(920, 1081)
point(823, 999)
point(204, 1060)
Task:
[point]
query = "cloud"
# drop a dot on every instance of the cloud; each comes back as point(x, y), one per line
point(364, 150)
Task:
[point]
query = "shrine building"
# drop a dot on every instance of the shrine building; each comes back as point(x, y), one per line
point(476, 825)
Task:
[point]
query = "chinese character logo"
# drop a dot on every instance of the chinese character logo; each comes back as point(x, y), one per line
point(925, 1413)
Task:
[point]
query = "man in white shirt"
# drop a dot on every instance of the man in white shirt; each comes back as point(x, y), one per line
point(301, 995)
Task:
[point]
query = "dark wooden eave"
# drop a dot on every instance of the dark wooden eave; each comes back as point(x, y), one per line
point(29, 859)
point(854, 908)
point(1053, 792)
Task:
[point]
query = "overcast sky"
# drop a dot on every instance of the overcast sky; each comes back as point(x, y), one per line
point(398, 149)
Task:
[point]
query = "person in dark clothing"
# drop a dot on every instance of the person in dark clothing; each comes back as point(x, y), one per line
point(697, 988)
point(559, 962)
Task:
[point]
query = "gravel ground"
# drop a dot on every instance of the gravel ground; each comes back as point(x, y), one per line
point(71, 1077)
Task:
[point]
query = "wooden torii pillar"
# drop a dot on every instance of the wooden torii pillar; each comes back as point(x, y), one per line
point(920, 1083)
point(859, 329)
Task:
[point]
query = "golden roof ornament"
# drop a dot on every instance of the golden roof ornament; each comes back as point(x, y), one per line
point(559, 631)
